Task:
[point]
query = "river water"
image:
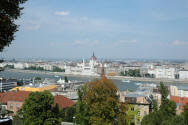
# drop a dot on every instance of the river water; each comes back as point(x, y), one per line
point(132, 85)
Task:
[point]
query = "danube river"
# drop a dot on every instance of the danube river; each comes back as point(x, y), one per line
point(132, 85)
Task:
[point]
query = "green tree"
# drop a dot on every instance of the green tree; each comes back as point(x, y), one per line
point(69, 113)
point(37, 110)
point(166, 111)
point(37, 78)
point(185, 114)
point(10, 10)
point(66, 79)
point(98, 104)
point(176, 120)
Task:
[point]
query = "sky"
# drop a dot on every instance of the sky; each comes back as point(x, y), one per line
point(150, 29)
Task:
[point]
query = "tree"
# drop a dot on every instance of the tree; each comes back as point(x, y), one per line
point(185, 113)
point(98, 104)
point(176, 120)
point(166, 111)
point(10, 10)
point(69, 114)
point(37, 110)
point(38, 78)
point(66, 79)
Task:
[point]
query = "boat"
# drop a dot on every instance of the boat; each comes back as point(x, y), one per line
point(56, 76)
point(124, 80)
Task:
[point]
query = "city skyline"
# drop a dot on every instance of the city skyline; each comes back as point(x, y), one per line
point(151, 29)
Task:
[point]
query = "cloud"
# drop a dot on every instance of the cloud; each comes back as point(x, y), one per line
point(178, 43)
point(85, 42)
point(122, 42)
point(62, 13)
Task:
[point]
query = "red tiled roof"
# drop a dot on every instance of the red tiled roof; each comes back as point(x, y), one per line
point(181, 100)
point(13, 96)
point(62, 101)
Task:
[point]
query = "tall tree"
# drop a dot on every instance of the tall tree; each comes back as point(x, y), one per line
point(10, 10)
point(98, 104)
point(166, 111)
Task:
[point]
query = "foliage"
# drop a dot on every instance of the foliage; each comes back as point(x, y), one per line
point(185, 113)
point(131, 72)
point(37, 78)
point(66, 79)
point(9, 66)
point(10, 10)
point(35, 68)
point(68, 114)
point(57, 69)
point(98, 104)
point(37, 110)
point(166, 111)
point(176, 120)
point(132, 115)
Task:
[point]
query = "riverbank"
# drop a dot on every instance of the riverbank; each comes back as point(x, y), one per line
point(141, 79)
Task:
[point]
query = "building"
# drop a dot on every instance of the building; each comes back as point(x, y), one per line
point(183, 74)
point(13, 101)
point(174, 91)
point(7, 84)
point(137, 112)
point(180, 102)
point(162, 72)
point(18, 65)
point(84, 68)
point(139, 106)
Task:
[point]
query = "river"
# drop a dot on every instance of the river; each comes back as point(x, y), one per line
point(120, 85)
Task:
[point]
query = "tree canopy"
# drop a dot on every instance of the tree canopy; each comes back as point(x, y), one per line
point(10, 10)
point(98, 104)
point(37, 110)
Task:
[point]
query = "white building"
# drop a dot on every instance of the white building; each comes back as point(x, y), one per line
point(18, 65)
point(174, 91)
point(183, 74)
point(47, 67)
point(84, 68)
point(163, 72)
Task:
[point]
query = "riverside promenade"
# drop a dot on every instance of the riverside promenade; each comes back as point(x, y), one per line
point(141, 79)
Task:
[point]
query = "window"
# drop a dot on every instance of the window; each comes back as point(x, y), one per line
point(18, 106)
point(145, 113)
point(11, 106)
point(138, 113)
point(132, 108)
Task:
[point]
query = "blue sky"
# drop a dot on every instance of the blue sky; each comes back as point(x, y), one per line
point(153, 29)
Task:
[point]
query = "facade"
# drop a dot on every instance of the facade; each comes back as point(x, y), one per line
point(137, 111)
point(19, 66)
point(7, 84)
point(174, 91)
point(84, 68)
point(47, 67)
point(163, 72)
point(183, 74)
